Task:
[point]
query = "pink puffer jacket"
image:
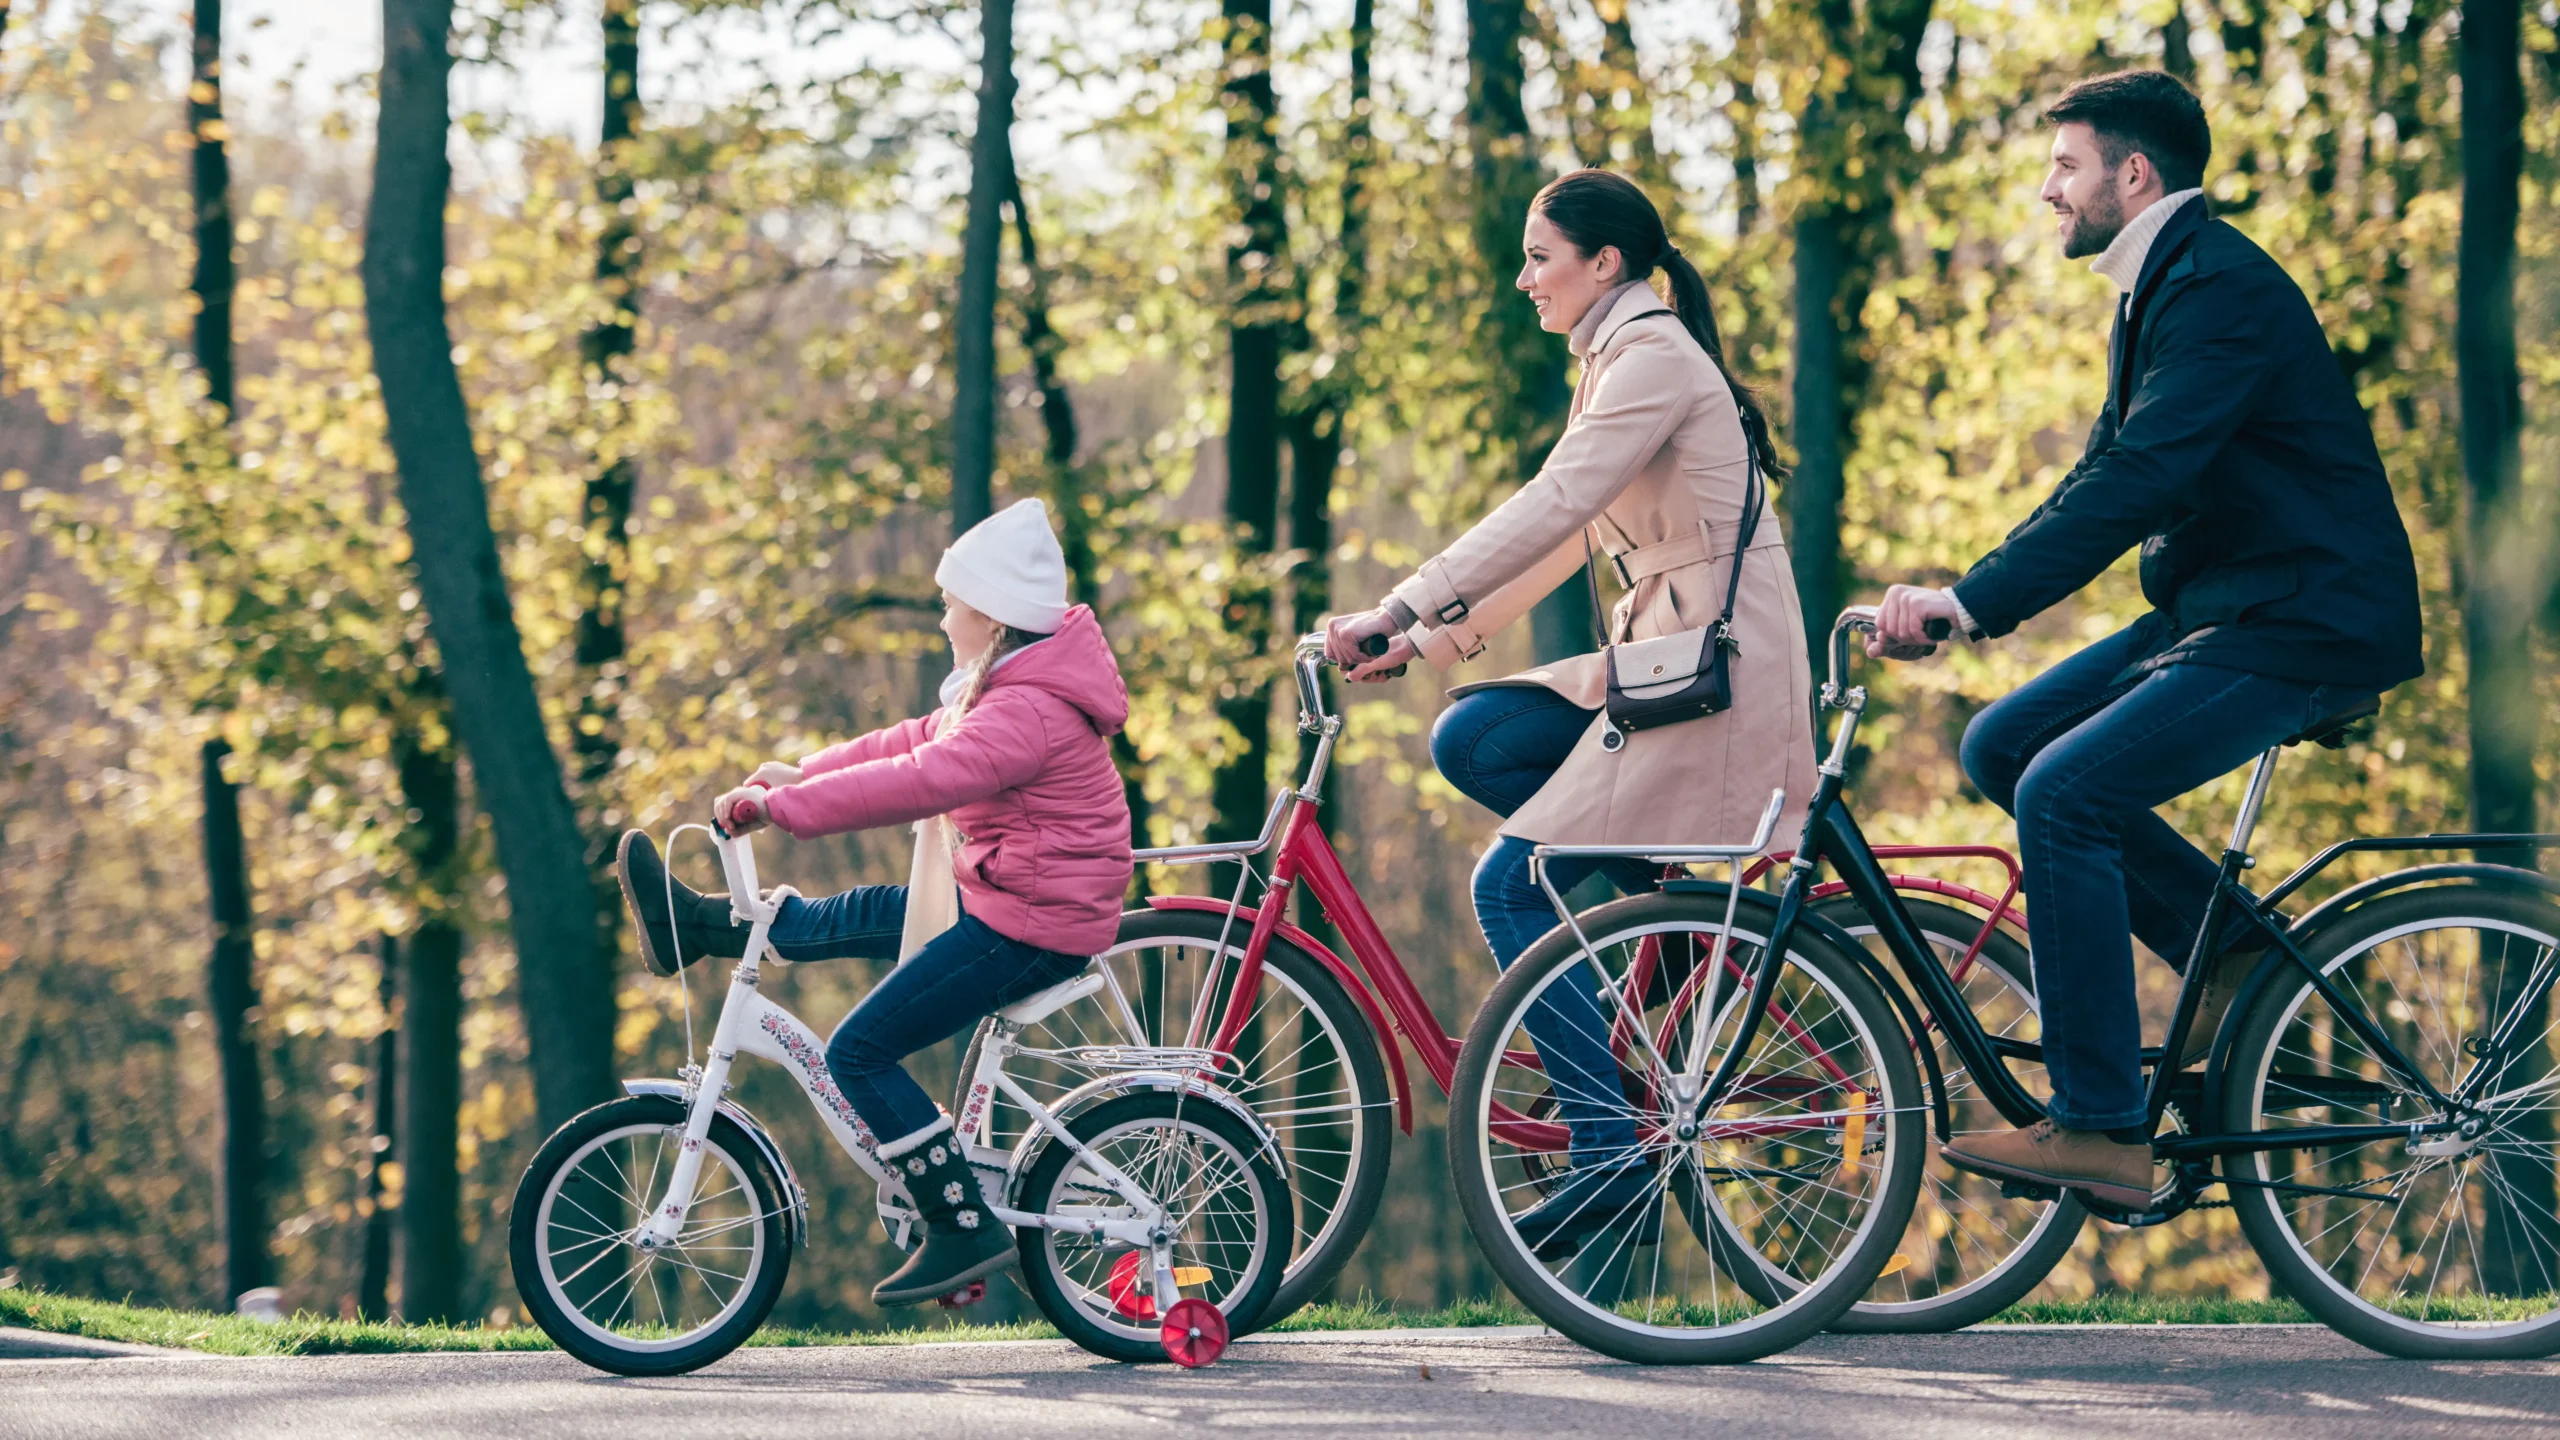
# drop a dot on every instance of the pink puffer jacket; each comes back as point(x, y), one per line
point(1027, 779)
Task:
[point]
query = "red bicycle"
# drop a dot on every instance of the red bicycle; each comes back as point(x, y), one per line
point(1307, 1040)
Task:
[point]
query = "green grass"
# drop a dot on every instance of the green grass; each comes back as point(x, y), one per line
point(314, 1335)
point(1370, 1313)
point(2153, 1310)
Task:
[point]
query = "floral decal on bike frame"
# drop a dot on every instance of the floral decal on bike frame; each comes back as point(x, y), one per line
point(813, 1073)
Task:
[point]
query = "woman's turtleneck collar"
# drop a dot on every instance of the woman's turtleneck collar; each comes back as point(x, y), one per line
point(1584, 329)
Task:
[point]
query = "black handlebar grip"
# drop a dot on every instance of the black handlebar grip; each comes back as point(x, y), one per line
point(1373, 646)
point(1937, 629)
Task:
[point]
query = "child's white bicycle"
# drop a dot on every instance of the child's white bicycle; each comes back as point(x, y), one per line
point(651, 1234)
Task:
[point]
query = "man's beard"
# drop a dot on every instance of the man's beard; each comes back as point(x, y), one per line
point(2095, 226)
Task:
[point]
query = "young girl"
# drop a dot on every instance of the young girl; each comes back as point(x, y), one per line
point(1020, 760)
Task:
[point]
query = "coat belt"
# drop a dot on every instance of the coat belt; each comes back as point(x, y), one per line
point(1662, 556)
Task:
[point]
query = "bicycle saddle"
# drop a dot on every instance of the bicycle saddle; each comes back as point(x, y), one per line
point(2333, 732)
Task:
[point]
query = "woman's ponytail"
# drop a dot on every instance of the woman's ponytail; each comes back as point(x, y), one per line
point(1689, 298)
point(1596, 209)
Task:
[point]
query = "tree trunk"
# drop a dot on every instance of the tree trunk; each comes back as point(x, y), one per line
point(1853, 147)
point(1527, 396)
point(373, 1283)
point(233, 992)
point(231, 981)
point(973, 342)
point(216, 274)
point(2177, 51)
point(1315, 423)
point(1257, 332)
point(1076, 507)
point(595, 743)
point(2504, 556)
point(1631, 128)
point(1820, 419)
point(1742, 112)
point(430, 1089)
point(566, 984)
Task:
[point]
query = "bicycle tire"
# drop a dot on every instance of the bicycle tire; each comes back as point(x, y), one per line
point(2284, 1025)
point(1327, 1238)
point(1837, 980)
point(2029, 1256)
point(552, 1299)
point(1073, 1306)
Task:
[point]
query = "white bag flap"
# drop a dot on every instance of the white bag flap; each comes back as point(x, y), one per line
point(1663, 665)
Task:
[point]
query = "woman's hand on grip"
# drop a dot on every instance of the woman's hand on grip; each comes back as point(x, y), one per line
point(1367, 646)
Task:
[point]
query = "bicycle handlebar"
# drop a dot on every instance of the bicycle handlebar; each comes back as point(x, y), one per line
point(1861, 620)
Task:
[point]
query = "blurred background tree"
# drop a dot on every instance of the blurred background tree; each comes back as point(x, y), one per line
point(737, 345)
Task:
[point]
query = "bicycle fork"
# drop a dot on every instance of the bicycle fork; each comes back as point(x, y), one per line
point(666, 1219)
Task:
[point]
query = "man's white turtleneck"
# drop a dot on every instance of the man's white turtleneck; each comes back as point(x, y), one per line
point(2122, 260)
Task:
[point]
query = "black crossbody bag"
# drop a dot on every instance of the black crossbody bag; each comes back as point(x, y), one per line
point(1672, 678)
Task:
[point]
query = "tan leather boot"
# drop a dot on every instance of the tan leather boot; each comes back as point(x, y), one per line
point(2044, 1152)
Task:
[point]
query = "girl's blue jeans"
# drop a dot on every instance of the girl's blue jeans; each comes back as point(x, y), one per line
point(965, 974)
point(1498, 746)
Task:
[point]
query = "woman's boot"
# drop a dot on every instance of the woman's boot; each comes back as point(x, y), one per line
point(1612, 1196)
point(963, 1241)
point(673, 936)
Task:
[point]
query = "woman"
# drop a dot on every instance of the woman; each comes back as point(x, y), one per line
point(1652, 468)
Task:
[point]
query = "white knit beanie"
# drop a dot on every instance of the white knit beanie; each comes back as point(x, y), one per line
point(1008, 567)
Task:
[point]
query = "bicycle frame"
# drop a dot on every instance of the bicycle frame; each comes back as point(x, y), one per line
point(1305, 859)
point(751, 1024)
point(1832, 836)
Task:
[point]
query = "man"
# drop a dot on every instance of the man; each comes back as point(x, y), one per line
point(2231, 449)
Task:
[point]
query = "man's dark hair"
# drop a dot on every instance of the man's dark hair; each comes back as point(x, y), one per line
point(2150, 111)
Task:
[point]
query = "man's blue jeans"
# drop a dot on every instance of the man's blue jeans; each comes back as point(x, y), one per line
point(1498, 746)
point(965, 974)
point(2079, 757)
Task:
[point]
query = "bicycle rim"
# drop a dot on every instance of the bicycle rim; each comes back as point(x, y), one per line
point(1220, 1217)
point(1969, 1249)
point(647, 1302)
point(1304, 1064)
point(1811, 1161)
point(2443, 1242)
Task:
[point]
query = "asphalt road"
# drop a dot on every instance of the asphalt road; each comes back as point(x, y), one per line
point(2265, 1382)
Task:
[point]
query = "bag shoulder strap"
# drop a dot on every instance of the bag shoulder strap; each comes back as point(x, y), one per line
point(1754, 497)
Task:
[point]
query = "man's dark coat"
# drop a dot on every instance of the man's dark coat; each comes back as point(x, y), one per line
point(2232, 450)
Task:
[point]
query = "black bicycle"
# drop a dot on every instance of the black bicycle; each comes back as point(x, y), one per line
point(2378, 1106)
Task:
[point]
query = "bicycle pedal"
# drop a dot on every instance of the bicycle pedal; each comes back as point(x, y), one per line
point(964, 1297)
point(2027, 1190)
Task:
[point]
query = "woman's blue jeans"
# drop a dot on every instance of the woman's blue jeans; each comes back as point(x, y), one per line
point(963, 975)
point(1498, 746)
point(2080, 755)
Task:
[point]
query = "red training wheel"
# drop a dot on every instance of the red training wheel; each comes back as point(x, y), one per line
point(1195, 1333)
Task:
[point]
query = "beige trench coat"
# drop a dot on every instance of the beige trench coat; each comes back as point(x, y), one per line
point(1652, 460)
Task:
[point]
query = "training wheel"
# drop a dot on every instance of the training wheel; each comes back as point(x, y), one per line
point(1195, 1333)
